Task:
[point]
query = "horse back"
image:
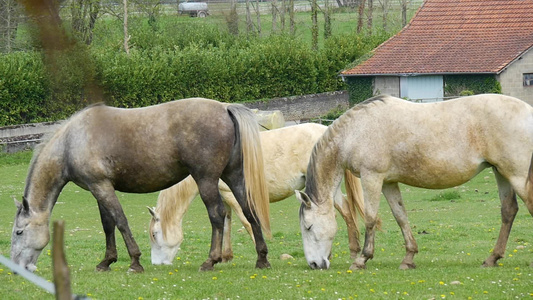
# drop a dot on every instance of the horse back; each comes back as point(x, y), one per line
point(286, 152)
point(162, 143)
point(436, 145)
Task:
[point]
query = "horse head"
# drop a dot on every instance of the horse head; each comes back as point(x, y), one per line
point(164, 247)
point(318, 227)
point(30, 235)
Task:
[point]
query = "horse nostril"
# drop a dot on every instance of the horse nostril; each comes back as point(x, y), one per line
point(313, 265)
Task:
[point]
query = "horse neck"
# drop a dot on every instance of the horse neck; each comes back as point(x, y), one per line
point(324, 173)
point(44, 182)
point(174, 202)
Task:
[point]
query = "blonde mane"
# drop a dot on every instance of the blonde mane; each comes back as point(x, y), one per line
point(175, 199)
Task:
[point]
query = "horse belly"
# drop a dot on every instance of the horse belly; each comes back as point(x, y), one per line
point(436, 176)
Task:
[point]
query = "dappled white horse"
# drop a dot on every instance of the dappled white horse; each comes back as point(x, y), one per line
point(286, 155)
point(387, 140)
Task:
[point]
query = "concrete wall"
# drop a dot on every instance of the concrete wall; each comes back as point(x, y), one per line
point(512, 79)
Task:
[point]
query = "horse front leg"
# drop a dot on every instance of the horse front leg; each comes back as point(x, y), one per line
point(105, 195)
point(216, 212)
point(108, 223)
point(509, 210)
point(394, 198)
point(372, 192)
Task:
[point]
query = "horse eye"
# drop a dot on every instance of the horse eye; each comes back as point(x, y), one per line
point(19, 232)
point(309, 228)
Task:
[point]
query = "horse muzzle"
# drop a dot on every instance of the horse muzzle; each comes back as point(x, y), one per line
point(319, 265)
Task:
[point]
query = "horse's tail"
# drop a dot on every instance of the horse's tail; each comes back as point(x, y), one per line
point(253, 164)
point(354, 194)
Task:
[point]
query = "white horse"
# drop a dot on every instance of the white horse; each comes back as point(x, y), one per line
point(386, 140)
point(286, 155)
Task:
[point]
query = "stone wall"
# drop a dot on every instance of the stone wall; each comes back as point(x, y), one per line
point(511, 79)
point(305, 107)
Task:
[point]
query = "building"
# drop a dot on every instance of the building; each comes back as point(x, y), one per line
point(453, 47)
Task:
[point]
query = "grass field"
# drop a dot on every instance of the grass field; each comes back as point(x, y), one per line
point(455, 230)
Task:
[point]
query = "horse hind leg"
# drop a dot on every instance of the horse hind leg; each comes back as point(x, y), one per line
point(394, 198)
point(509, 209)
point(236, 183)
point(215, 209)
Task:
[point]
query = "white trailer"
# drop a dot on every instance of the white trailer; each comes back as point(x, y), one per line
point(194, 9)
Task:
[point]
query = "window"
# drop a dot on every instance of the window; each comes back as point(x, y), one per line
point(528, 79)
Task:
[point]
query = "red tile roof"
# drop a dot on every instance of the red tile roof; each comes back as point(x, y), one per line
point(455, 36)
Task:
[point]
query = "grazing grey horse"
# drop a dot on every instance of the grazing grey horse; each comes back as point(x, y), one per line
point(142, 150)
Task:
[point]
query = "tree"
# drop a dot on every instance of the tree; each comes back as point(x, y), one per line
point(360, 18)
point(385, 5)
point(125, 23)
point(327, 19)
point(121, 13)
point(404, 4)
point(369, 13)
point(314, 26)
point(233, 19)
point(9, 18)
point(84, 14)
point(274, 16)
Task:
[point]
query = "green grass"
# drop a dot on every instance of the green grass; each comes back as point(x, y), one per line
point(453, 239)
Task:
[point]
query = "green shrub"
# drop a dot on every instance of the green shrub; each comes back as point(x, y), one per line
point(23, 88)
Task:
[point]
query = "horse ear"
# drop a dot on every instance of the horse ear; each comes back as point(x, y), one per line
point(18, 204)
point(303, 197)
point(25, 204)
point(152, 211)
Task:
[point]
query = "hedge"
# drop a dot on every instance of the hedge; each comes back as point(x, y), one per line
point(240, 69)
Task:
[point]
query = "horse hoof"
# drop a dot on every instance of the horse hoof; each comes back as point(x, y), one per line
point(227, 259)
point(136, 269)
point(262, 265)
point(487, 264)
point(103, 268)
point(407, 266)
point(356, 266)
point(207, 267)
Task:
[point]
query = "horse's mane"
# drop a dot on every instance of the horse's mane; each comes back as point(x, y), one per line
point(45, 139)
point(324, 144)
point(170, 201)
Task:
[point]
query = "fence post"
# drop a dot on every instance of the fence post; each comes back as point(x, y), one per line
point(59, 263)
